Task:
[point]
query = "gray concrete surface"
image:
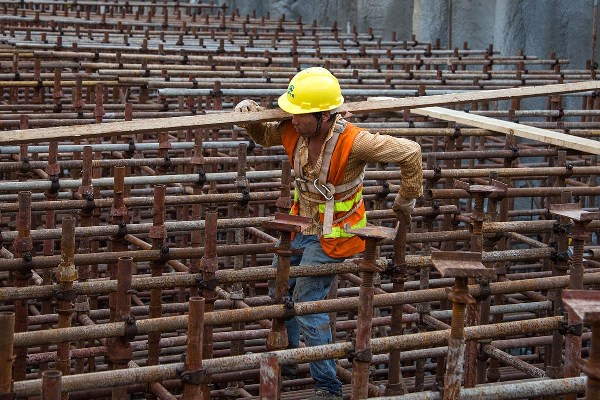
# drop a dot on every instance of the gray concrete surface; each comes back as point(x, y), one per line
point(539, 27)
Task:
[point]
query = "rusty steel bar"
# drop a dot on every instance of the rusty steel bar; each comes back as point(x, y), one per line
point(270, 376)
point(51, 385)
point(66, 274)
point(23, 246)
point(507, 359)
point(591, 366)
point(98, 287)
point(158, 234)
point(362, 354)
point(7, 325)
point(208, 265)
point(120, 352)
point(190, 225)
point(193, 375)
point(147, 255)
point(254, 175)
point(252, 361)
point(456, 342)
point(507, 391)
point(255, 313)
point(396, 384)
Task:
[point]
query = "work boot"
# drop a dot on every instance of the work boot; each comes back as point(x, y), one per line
point(321, 394)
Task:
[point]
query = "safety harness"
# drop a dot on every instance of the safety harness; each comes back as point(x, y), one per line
point(323, 188)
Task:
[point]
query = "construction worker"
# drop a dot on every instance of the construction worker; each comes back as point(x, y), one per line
point(329, 155)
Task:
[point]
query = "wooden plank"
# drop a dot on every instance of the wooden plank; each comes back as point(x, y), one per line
point(510, 128)
point(215, 120)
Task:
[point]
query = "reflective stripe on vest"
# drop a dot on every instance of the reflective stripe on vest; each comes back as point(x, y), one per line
point(338, 231)
point(342, 206)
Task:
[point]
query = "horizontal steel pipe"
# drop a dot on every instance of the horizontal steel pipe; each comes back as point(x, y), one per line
point(165, 324)
point(251, 361)
point(223, 276)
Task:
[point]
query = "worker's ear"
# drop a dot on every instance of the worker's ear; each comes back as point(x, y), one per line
point(326, 116)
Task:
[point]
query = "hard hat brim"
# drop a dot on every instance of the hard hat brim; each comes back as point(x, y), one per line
point(292, 108)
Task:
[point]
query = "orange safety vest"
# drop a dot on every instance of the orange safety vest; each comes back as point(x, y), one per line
point(336, 208)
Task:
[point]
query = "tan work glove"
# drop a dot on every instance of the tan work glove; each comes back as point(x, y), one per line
point(247, 105)
point(403, 207)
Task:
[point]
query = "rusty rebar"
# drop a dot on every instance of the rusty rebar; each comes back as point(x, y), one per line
point(7, 323)
point(193, 375)
point(51, 385)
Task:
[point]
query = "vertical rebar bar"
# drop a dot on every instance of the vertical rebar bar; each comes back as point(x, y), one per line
point(158, 234)
point(193, 358)
point(23, 246)
point(269, 377)
point(7, 327)
point(51, 385)
point(456, 342)
point(592, 366)
point(362, 347)
point(65, 274)
point(208, 266)
point(120, 350)
point(395, 384)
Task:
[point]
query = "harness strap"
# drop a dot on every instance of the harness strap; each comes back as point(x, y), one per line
point(337, 220)
point(320, 185)
point(340, 126)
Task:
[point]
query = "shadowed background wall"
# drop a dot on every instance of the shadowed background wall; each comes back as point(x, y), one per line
point(539, 27)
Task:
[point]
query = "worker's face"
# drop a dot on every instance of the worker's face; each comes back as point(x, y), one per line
point(306, 124)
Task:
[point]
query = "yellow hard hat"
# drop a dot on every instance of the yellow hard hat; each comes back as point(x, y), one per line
point(311, 90)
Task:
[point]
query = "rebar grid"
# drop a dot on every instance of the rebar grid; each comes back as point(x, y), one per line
point(116, 247)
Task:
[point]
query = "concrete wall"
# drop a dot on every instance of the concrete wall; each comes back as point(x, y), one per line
point(539, 27)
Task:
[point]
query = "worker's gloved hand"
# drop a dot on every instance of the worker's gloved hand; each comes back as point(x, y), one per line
point(247, 105)
point(403, 207)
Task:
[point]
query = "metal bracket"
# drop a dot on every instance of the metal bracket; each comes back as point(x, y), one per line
point(196, 377)
point(365, 355)
point(385, 190)
point(484, 285)
point(570, 329)
point(201, 178)
point(395, 269)
point(167, 162)
point(131, 329)
point(130, 152)
point(25, 166)
point(89, 204)
point(69, 295)
point(164, 253)
point(561, 228)
point(437, 172)
point(289, 311)
point(245, 197)
point(559, 256)
point(122, 231)
point(210, 284)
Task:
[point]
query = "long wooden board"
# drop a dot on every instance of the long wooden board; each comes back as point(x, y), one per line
point(29, 136)
point(511, 128)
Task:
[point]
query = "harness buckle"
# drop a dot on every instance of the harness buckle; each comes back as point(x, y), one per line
point(302, 184)
point(326, 192)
